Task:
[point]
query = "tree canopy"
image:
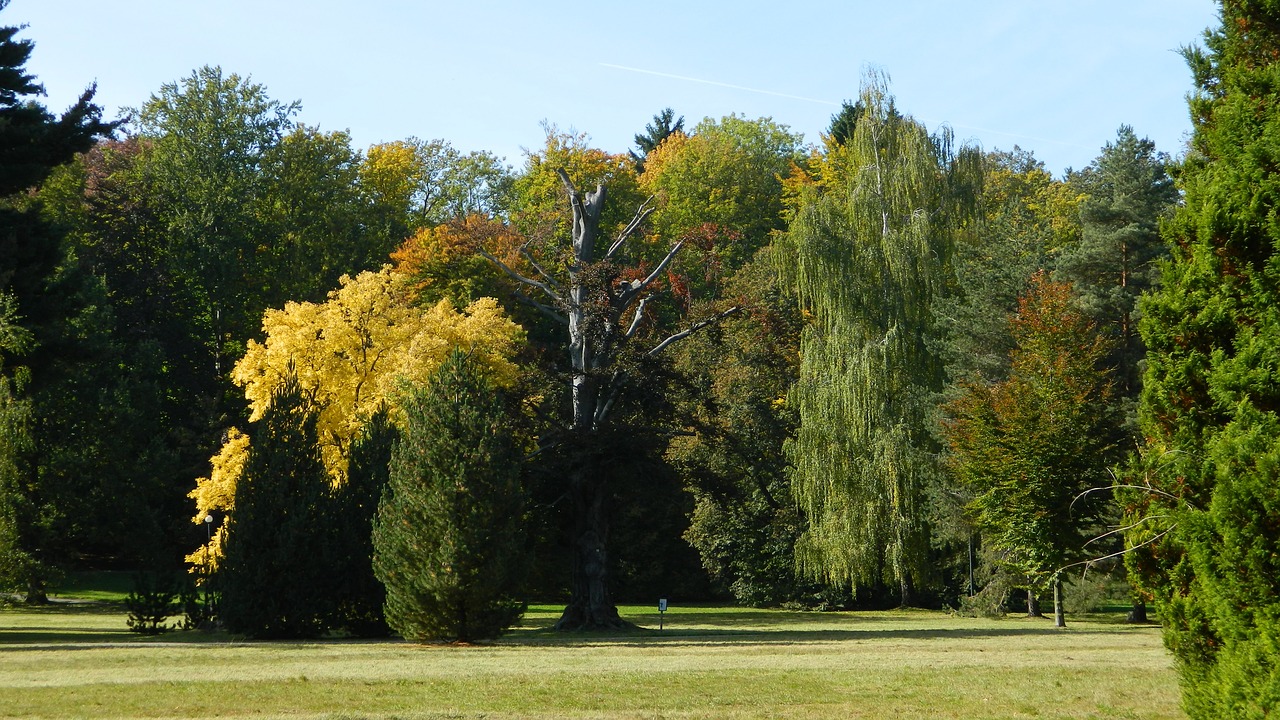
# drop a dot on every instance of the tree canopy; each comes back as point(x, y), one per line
point(1035, 449)
point(724, 363)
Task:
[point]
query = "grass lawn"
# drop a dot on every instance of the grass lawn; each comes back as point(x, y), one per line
point(709, 662)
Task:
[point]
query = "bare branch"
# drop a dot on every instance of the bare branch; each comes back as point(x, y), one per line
point(1148, 488)
point(1126, 551)
point(520, 278)
point(692, 329)
point(575, 197)
point(602, 411)
point(643, 212)
point(628, 296)
point(1114, 531)
point(635, 321)
point(543, 308)
point(580, 216)
point(551, 280)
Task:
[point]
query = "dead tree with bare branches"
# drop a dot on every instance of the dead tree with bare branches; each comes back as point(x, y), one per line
point(604, 315)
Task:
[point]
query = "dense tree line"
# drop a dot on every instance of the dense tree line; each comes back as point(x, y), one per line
point(414, 387)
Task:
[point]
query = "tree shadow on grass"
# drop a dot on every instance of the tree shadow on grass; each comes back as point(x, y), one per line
point(40, 638)
point(702, 636)
point(29, 629)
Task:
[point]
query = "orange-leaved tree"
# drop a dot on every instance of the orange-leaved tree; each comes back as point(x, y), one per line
point(1032, 447)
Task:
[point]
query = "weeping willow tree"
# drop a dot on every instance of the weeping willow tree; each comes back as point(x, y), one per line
point(868, 252)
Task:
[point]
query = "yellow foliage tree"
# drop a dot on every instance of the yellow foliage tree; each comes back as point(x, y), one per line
point(349, 354)
point(218, 492)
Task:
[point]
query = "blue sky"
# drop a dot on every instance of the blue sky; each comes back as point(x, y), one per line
point(1057, 78)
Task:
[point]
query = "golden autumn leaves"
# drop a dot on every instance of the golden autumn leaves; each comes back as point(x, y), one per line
point(350, 355)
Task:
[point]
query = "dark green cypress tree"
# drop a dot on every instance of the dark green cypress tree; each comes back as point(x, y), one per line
point(448, 540)
point(358, 595)
point(275, 578)
point(1206, 533)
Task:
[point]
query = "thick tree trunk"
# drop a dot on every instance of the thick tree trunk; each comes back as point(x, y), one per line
point(590, 605)
point(1059, 612)
point(37, 594)
point(1033, 604)
point(1138, 614)
point(601, 313)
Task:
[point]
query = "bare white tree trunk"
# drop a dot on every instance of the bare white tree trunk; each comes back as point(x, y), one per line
point(601, 315)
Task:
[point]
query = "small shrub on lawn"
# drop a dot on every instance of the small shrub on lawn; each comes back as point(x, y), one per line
point(152, 601)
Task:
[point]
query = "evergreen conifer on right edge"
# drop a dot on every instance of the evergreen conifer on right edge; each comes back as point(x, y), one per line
point(1206, 534)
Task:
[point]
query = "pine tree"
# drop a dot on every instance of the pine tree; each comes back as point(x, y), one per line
point(843, 123)
point(35, 305)
point(1127, 191)
point(664, 125)
point(448, 541)
point(275, 577)
point(1206, 515)
point(870, 248)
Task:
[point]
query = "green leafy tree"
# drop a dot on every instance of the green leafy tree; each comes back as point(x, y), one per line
point(744, 523)
point(15, 443)
point(141, 216)
point(1031, 447)
point(275, 574)
point(414, 184)
point(448, 540)
point(209, 136)
point(868, 253)
point(315, 214)
point(1206, 509)
point(1027, 217)
point(726, 177)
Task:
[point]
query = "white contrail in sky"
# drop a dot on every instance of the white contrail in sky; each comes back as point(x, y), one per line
point(719, 84)
point(820, 102)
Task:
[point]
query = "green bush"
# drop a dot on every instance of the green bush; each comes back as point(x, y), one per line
point(153, 600)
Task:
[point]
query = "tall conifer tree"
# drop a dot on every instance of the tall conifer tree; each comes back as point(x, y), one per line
point(1206, 531)
point(1127, 191)
point(447, 540)
point(275, 576)
point(358, 596)
point(38, 361)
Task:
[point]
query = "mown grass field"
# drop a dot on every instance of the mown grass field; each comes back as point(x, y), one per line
point(709, 662)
